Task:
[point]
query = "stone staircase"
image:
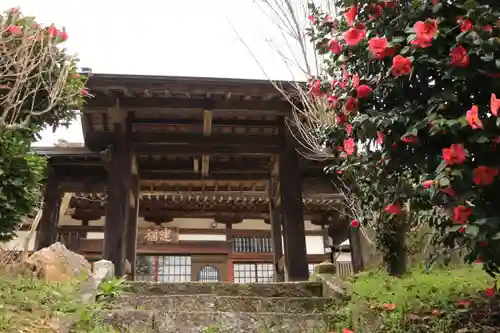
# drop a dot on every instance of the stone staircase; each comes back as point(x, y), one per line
point(222, 308)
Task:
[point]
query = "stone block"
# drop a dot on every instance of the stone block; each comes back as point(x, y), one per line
point(57, 263)
point(104, 269)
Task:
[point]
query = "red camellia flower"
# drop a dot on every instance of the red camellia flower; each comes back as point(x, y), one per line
point(459, 57)
point(448, 190)
point(462, 230)
point(85, 92)
point(311, 18)
point(400, 66)
point(350, 105)
point(14, 29)
point(331, 101)
point(472, 116)
point(349, 146)
point(428, 183)
point(375, 10)
point(335, 47)
point(466, 25)
point(380, 137)
point(484, 176)
point(340, 118)
point(461, 213)
point(350, 15)
point(420, 43)
point(354, 223)
point(455, 154)
point(487, 28)
point(378, 47)
point(390, 4)
point(64, 35)
point(494, 105)
point(426, 31)
point(348, 129)
point(315, 88)
point(53, 31)
point(363, 91)
point(393, 209)
point(410, 139)
point(355, 35)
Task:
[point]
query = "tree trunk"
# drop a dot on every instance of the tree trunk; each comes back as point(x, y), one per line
point(393, 246)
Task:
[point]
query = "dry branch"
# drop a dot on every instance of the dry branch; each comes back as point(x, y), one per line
point(34, 70)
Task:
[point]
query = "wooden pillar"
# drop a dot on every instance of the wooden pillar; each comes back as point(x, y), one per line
point(119, 163)
point(292, 209)
point(132, 226)
point(276, 221)
point(83, 234)
point(48, 225)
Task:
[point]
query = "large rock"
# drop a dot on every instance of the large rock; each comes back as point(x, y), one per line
point(57, 263)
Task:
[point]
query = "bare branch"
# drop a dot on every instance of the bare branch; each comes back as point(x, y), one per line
point(34, 71)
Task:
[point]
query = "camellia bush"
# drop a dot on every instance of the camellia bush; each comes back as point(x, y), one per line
point(39, 87)
point(411, 87)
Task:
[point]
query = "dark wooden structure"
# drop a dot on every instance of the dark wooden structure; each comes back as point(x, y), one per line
point(166, 147)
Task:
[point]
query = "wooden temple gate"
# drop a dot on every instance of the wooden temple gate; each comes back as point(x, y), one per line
point(188, 147)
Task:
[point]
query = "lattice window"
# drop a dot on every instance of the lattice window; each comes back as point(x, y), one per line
point(260, 244)
point(209, 274)
point(174, 268)
point(163, 268)
point(249, 273)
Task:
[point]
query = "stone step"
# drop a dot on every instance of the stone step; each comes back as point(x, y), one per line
point(141, 321)
point(286, 289)
point(165, 303)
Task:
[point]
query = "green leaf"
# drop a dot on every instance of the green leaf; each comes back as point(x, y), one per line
point(497, 63)
point(398, 39)
point(472, 230)
point(437, 7)
point(482, 139)
point(444, 182)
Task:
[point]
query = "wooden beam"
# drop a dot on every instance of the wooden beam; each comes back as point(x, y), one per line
point(191, 247)
point(205, 149)
point(215, 122)
point(190, 176)
point(158, 103)
point(224, 140)
point(183, 231)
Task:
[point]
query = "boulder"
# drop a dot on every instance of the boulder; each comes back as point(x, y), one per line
point(57, 263)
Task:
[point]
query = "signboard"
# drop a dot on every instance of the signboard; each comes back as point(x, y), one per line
point(163, 235)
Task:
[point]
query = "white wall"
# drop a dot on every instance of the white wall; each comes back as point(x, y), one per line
point(17, 243)
point(202, 237)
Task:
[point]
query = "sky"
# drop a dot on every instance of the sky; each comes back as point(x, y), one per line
point(162, 37)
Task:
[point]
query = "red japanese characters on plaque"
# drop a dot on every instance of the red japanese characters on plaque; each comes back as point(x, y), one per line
point(164, 235)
